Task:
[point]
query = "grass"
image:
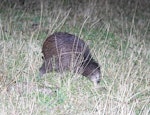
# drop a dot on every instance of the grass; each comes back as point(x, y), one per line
point(119, 44)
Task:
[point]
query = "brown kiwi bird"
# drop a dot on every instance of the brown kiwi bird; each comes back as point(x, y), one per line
point(66, 52)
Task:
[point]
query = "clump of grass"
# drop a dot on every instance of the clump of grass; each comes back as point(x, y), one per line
point(124, 58)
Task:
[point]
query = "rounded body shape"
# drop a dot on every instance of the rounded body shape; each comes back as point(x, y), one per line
point(64, 51)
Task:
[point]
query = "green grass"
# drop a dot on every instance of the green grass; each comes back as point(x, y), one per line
point(119, 43)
